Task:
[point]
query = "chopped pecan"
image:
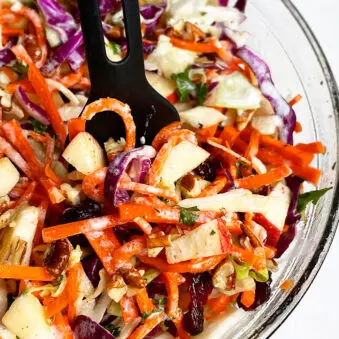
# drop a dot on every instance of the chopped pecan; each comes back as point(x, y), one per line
point(159, 239)
point(224, 276)
point(187, 31)
point(188, 181)
point(133, 277)
point(57, 258)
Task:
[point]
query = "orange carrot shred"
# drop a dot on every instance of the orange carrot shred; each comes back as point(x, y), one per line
point(129, 309)
point(295, 100)
point(144, 302)
point(298, 128)
point(24, 273)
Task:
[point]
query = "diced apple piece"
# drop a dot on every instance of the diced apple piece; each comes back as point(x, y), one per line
point(238, 200)
point(201, 117)
point(278, 213)
point(162, 85)
point(16, 243)
point(234, 91)
point(26, 319)
point(183, 158)
point(266, 124)
point(84, 153)
point(9, 176)
point(204, 241)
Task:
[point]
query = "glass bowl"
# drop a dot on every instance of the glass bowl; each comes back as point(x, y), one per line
point(282, 37)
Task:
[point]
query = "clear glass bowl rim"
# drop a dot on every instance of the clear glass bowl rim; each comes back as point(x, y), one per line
point(308, 276)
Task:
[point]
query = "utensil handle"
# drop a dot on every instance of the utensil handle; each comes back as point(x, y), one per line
point(135, 55)
point(94, 39)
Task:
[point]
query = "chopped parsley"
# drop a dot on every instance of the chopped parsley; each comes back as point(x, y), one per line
point(38, 127)
point(334, 165)
point(313, 197)
point(115, 330)
point(160, 301)
point(212, 232)
point(163, 326)
point(187, 217)
point(145, 315)
point(201, 92)
point(185, 87)
point(20, 68)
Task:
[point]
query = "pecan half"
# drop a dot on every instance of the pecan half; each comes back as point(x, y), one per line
point(57, 258)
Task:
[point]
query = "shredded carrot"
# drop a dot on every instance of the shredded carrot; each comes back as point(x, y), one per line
point(171, 284)
point(129, 309)
point(192, 266)
point(270, 252)
point(63, 231)
point(163, 135)
point(295, 100)
point(34, 17)
point(40, 86)
point(247, 298)
point(104, 243)
point(53, 306)
point(24, 83)
point(273, 233)
point(123, 110)
point(287, 285)
point(214, 188)
point(148, 326)
point(218, 305)
point(144, 225)
point(313, 147)
point(230, 134)
point(75, 126)
point(24, 273)
point(72, 79)
point(51, 175)
point(298, 128)
point(144, 302)
point(259, 180)
point(287, 151)
point(12, 31)
point(93, 184)
point(27, 196)
point(165, 214)
point(253, 145)
point(256, 258)
point(62, 325)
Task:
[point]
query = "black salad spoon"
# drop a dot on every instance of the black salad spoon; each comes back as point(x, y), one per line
point(124, 80)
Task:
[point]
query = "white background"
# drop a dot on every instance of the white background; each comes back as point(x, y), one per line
point(317, 315)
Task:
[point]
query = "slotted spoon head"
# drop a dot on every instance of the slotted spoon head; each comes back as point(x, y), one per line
point(124, 80)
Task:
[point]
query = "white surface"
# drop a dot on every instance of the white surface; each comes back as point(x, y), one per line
point(317, 314)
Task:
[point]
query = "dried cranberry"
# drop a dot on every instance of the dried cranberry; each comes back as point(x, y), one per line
point(200, 287)
point(86, 210)
point(156, 288)
point(207, 170)
point(194, 319)
point(285, 240)
point(92, 265)
point(262, 294)
point(123, 233)
point(171, 328)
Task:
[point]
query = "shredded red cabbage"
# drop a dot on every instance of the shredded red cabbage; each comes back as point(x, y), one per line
point(268, 89)
point(118, 167)
point(85, 328)
point(57, 18)
point(77, 58)
point(6, 56)
point(241, 5)
point(62, 52)
point(139, 169)
point(223, 3)
point(239, 38)
point(294, 184)
point(152, 15)
point(30, 107)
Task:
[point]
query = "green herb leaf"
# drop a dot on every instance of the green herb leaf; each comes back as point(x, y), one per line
point(145, 315)
point(29, 4)
point(20, 68)
point(115, 330)
point(260, 276)
point(212, 232)
point(201, 92)
point(184, 84)
point(187, 217)
point(334, 165)
point(313, 197)
point(240, 164)
point(38, 127)
point(160, 301)
point(116, 48)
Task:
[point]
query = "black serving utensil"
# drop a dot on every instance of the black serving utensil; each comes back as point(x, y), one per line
point(124, 80)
